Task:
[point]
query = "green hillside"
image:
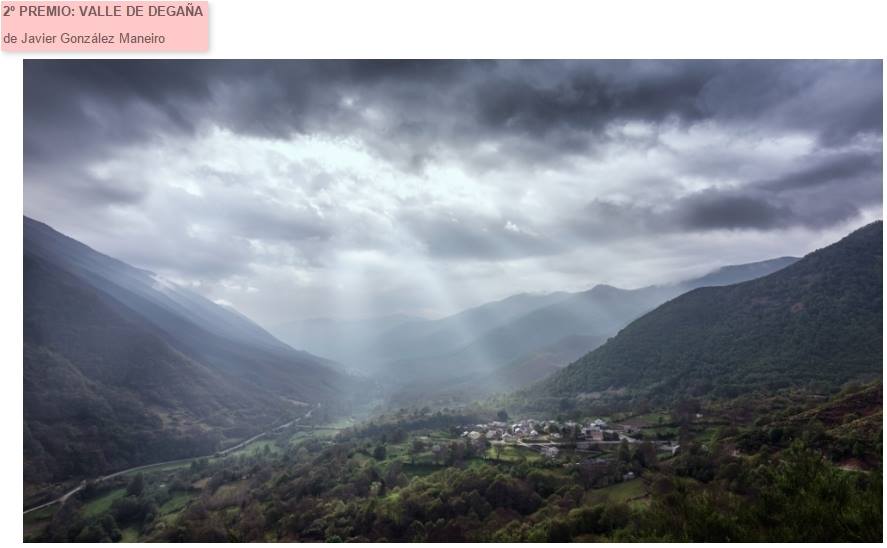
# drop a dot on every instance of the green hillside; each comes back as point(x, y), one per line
point(122, 370)
point(816, 321)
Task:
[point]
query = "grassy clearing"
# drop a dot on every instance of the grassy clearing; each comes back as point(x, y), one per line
point(300, 435)
point(169, 519)
point(398, 451)
point(648, 420)
point(257, 447)
point(323, 431)
point(346, 422)
point(102, 504)
point(176, 503)
point(619, 492)
point(436, 436)
point(230, 495)
point(130, 534)
point(707, 435)
point(362, 458)
point(160, 468)
point(513, 453)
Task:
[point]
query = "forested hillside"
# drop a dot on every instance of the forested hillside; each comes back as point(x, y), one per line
point(817, 321)
point(122, 369)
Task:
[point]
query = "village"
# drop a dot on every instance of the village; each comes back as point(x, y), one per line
point(551, 438)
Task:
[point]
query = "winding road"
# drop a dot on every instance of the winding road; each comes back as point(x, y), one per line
point(62, 499)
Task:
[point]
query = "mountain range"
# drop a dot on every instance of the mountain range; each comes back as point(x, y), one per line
point(123, 367)
point(498, 346)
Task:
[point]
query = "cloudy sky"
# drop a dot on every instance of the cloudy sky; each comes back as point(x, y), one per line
point(294, 189)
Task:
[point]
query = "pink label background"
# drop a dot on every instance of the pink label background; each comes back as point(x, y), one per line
point(182, 33)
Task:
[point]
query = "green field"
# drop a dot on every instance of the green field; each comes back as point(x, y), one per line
point(619, 492)
point(301, 433)
point(255, 447)
point(176, 503)
point(648, 420)
point(513, 453)
point(160, 468)
point(102, 504)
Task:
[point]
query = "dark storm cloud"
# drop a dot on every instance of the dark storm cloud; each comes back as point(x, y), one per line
point(538, 112)
point(109, 102)
point(467, 161)
point(833, 169)
point(714, 210)
point(588, 99)
point(77, 187)
point(824, 189)
point(836, 100)
point(559, 107)
point(93, 189)
point(603, 220)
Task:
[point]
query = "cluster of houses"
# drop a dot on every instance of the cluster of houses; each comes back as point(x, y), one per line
point(550, 438)
point(548, 432)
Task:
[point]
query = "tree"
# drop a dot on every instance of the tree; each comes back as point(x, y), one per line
point(136, 486)
point(416, 532)
point(398, 435)
point(455, 453)
point(645, 455)
point(380, 453)
point(497, 449)
point(623, 454)
point(92, 533)
point(416, 447)
point(502, 415)
point(251, 522)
